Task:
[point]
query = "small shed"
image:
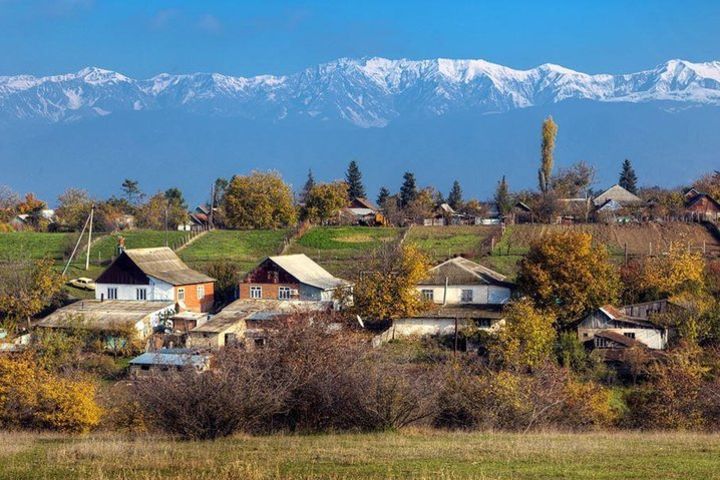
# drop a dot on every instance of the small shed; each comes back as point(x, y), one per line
point(167, 360)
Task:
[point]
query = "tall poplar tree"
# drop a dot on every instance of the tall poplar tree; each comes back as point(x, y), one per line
point(628, 179)
point(502, 197)
point(549, 132)
point(353, 178)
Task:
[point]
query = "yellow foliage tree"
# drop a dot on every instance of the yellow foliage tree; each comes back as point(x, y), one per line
point(386, 286)
point(25, 289)
point(564, 273)
point(680, 271)
point(527, 338)
point(325, 200)
point(259, 200)
point(31, 397)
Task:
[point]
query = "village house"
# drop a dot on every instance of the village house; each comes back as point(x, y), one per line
point(168, 360)
point(155, 274)
point(242, 322)
point(610, 319)
point(291, 277)
point(361, 211)
point(701, 206)
point(462, 293)
point(111, 317)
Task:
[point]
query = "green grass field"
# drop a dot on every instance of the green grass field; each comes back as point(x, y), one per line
point(244, 247)
point(106, 248)
point(35, 245)
point(441, 243)
point(339, 249)
point(424, 454)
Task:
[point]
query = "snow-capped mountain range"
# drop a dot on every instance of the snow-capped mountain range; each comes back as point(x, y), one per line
point(367, 92)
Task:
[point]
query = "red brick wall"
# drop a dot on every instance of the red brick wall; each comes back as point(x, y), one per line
point(195, 304)
point(269, 290)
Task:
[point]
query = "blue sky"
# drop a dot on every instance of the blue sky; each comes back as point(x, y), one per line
point(143, 38)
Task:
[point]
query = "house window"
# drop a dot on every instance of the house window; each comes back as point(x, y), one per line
point(629, 334)
point(256, 292)
point(428, 294)
point(259, 342)
point(200, 292)
point(181, 294)
point(112, 293)
point(140, 294)
point(284, 293)
point(466, 295)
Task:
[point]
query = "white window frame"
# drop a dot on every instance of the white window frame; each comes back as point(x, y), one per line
point(428, 294)
point(200, 292)
point(466, 295)
point(284, 293)
point(256, 291)
point(141, 294)
point(112, 293)
point(181, 294)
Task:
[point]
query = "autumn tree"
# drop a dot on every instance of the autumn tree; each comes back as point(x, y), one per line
point(565, 274)
point(547, 147)
point(353, 178)
point(455, 197)
point(527, 339)
point(259, 200)
point(385, 286)
point(502, 197)
point(26, 288)
point(324, 201)
point(408, 190)
point(681, 270)
point(74, 206)
point(710, 184)
point(159, 212)
point(628, 178)
point(9, 201)
point(574, 181)
point(422, 205)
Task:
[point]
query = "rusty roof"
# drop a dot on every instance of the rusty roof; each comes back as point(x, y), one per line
point(619, 338)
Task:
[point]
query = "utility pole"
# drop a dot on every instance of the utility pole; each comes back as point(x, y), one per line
point(167, 202)
point(212, 207)
point(87, 256)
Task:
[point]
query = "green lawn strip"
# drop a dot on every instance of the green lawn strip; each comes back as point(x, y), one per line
point(444, 242)
point(106, 248)
point(35, 245)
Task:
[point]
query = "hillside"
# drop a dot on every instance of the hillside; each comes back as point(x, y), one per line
point(243, 247)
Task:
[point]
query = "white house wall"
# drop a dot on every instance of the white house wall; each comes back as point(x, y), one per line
point(482, 294)
point(156, 290)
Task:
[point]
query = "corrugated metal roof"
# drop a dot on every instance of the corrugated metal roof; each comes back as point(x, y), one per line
point(619, 338)
point(460, 270)
point(172, 359)
point(307, 271)
point(162, 263)
point(103, 315)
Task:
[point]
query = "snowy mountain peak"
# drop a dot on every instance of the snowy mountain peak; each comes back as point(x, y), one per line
point(367, 91)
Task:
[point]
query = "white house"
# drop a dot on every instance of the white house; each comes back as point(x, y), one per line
point(155, 274)
point(610, 319)
point(464, 293)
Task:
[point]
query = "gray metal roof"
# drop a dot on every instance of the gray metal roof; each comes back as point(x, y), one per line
point(103, 315)
point(162, 263)
point(307, 271)
point(172, 359)
point(460, 270)
point(619, 194)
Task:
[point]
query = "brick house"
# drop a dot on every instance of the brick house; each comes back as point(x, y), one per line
point(155, 274)
point(290, 277)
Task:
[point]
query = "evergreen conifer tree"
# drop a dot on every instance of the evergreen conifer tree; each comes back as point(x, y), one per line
point(382, 197)
point(628, 179)
point(353, 178)
point(455, 199)
point(408, 190)
point(309, 184)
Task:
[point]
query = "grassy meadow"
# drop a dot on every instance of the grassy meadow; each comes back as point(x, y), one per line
point(339, 249)
point(441, 243)
point(421, 454)
point(244, 247)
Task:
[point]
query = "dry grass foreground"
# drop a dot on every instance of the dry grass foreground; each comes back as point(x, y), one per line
point(422, 454)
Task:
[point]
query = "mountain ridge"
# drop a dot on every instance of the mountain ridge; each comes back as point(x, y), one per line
point(365, 92)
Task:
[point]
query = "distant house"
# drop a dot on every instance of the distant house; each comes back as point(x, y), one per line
point(701, 206)
point(619, 195)
point(110, 316)
point(198, 219)
point(169, 360)
point(155, 274)
point(290, 277)
point(521, 213)
point(244, 321)
point(24, 220)
point(459, 290)
point(610, 319)
point(573, 210)
point(361, 211)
